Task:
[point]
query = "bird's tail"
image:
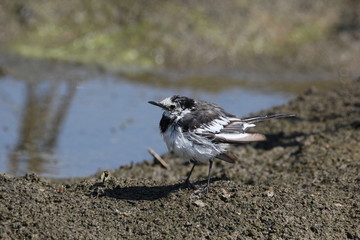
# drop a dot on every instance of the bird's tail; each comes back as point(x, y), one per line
point(266, 117)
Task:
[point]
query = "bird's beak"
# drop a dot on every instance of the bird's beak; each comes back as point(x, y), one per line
point(158, 104)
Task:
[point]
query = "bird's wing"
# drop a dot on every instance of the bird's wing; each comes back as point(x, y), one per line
point(226, 125)
point(228, 130)
point(236, 125)
point(219, 126)
point(213, 126)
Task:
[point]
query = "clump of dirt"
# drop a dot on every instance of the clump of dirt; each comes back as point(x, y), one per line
point(303, 183)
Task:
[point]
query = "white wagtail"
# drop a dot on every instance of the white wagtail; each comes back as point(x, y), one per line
point(200, 131)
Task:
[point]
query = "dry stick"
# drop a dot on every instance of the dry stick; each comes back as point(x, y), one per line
point(159, 159)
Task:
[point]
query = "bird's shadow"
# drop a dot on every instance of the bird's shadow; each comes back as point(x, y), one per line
point(149, 193)
point(277, 140)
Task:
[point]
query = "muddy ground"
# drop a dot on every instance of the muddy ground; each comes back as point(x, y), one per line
point(303, 183)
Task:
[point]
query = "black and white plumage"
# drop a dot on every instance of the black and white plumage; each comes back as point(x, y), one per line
point(200, 131)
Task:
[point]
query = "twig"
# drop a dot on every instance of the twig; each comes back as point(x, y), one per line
point(159, 159)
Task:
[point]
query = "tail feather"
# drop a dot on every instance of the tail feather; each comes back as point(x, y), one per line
point(266, 117)
point(227, 157)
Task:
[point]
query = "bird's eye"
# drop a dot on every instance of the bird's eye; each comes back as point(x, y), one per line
point(172, 107)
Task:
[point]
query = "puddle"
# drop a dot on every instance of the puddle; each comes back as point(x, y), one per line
point(67, 130)
point(63, 120)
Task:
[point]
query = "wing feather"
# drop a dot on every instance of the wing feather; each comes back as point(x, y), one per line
point(238, 137)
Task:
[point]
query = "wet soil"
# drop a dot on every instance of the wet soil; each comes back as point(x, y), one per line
point(303, 183)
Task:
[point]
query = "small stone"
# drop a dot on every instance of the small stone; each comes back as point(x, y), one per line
point(61, 189)
point(225, 195)
point(188, 224)
point(100, 192)
point(199, 203)
point(104, 176)
point(125, 213)
point(270, 192)
point(309, 141)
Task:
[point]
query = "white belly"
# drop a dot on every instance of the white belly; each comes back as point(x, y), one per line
point(191, 150)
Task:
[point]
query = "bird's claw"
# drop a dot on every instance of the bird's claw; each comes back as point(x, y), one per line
point(203, 190)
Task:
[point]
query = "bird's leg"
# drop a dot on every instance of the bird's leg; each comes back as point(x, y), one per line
point(208, 181)
point(205, 190)
point(187, 181)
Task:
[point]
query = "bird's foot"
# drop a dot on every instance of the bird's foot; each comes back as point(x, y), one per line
point(203, 190)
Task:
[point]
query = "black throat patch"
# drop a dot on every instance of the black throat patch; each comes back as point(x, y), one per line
point(165, 122)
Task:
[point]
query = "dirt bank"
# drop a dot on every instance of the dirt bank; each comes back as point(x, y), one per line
point(304, 183)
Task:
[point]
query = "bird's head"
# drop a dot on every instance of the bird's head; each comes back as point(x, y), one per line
point(175, 105)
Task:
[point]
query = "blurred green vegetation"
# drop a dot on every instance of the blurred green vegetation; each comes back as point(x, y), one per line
point(141, 34)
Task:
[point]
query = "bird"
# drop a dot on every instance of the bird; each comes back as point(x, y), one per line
point(200, 131)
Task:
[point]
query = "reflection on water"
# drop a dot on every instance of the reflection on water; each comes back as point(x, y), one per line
point(57, 127)
point(45, 107)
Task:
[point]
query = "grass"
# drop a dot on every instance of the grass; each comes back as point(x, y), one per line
point(148, 35)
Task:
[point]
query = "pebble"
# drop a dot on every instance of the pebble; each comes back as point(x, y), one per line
point(199, 203)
